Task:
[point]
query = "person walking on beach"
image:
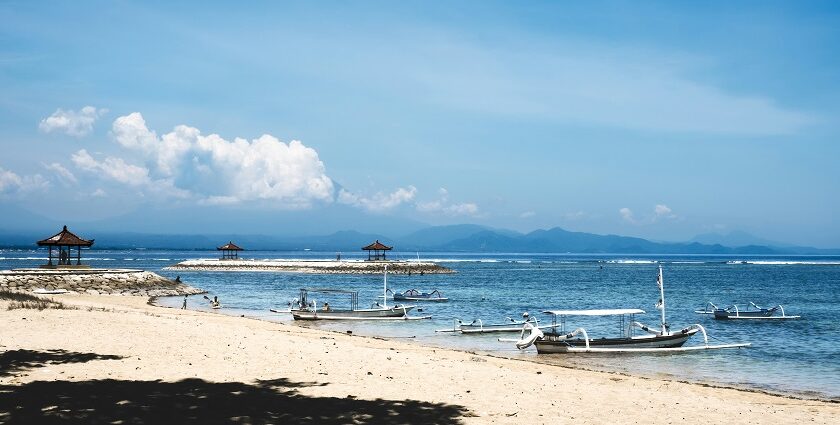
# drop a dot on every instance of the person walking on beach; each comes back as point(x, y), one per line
point(184, 307)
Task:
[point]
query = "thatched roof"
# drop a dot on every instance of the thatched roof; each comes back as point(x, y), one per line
point(230, 246)
point(65, 238)
point(377, 246)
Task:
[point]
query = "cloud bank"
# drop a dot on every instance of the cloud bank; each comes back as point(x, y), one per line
point(184, 163)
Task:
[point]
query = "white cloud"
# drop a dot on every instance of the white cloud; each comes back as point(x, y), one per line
point(130, 131)
point(117, 170)
point(442, 205)
point(380, 201)
point(627, 215)
point(64, 175)
point(71, 122)
point(11, 182)
point(99, 193)
point(466, 208)
point(660, 212)
point(112, 168)
point(220, 171)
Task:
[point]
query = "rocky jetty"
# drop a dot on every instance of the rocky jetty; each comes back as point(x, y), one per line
point(313, 266)
point(95, 282)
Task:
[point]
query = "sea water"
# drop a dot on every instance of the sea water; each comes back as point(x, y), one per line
point(800, 357)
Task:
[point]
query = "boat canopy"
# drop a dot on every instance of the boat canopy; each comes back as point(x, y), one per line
point(615, 312)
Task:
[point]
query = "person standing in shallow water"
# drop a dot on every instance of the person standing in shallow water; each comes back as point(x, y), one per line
point(184, 307)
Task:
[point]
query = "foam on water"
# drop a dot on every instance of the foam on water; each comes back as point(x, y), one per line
point(632, 262)
point(785, 262)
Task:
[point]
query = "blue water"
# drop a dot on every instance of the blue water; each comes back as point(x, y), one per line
point(794, 356)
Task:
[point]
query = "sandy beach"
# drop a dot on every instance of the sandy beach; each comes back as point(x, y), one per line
point(120, 360)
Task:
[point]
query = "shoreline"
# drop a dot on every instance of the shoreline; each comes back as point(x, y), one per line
point(804, 396)
point(149, 349)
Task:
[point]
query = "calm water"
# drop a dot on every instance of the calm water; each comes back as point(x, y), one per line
point(796, 356)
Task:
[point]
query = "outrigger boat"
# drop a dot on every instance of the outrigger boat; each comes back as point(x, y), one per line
point(753, 312)
point(478, 326)
point(415, 295)
point(578, 341)
point(307, 308)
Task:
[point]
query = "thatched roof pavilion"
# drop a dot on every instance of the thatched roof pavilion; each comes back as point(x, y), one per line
point(230, 251)
point(376, 251)
point(65, 240)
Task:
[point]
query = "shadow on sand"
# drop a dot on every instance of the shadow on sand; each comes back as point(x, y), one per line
point(15, 361)
point(193, 401)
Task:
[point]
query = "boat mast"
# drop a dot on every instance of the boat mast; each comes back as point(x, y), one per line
point(385, 288)
point(661, 305)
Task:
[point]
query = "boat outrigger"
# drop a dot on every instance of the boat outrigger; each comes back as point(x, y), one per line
point(307, 308)
point(752, 312)
point(477, 326)
point(578, 341)
point(415, 295)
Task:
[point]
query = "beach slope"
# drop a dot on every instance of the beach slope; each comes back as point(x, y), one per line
point(120, 360)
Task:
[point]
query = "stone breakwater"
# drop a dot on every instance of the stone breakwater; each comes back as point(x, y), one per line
point(313, 266)
point(95, 282)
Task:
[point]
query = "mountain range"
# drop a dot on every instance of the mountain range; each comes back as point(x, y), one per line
point(453, 238)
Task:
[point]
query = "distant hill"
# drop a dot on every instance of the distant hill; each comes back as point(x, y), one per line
point(740, 239)
point(733, 239)
point(455, 238)
point(440, 236)
point(558, 240)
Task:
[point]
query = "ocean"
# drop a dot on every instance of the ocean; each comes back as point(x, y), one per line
point(797, 357)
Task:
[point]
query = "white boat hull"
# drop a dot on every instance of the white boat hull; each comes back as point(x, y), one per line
point(361, 314)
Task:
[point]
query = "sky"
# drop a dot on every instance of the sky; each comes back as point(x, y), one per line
point(662, 120)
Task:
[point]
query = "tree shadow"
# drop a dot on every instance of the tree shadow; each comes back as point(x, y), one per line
point(195, 401)
point(19, 360)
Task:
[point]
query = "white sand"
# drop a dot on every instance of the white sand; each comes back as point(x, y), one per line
point(156, 343)
point(309, 266)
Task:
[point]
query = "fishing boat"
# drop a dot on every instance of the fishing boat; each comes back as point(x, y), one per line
point(752, 312)
point(306, 307)
point(478, 326)
point(415, 295)
point(558, 341)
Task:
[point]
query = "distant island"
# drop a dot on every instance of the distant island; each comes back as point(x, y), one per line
point(454, 238)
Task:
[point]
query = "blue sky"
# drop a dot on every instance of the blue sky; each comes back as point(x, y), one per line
point(660, 120)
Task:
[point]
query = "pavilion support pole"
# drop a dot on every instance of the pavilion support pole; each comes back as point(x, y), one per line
point(49, 262)
point(79, 255)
